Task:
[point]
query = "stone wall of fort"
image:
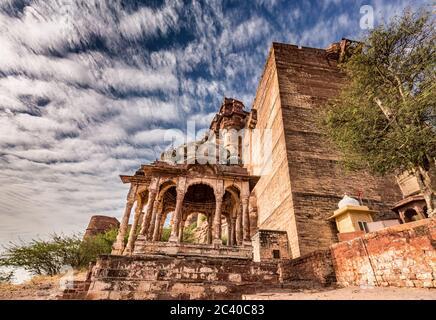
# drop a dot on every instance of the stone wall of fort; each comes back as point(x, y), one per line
point(307, 180)
point(273, 190)
point(399, 256)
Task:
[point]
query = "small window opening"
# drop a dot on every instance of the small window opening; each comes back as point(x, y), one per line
point(363, 226)
point(276, 254)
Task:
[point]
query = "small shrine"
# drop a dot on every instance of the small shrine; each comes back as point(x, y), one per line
point(351, 218)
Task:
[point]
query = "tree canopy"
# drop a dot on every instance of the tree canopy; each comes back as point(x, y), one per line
point(48, 257)
point(384, 118)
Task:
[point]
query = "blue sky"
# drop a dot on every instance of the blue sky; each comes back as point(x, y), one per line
point(88, 88)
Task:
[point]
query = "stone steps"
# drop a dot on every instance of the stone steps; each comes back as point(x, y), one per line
point(76, 290)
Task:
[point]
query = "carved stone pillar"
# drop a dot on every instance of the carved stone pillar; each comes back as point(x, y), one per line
point(217, 220)
point(209, 228)
point(245, 220)
point(157, 224)
point(141, 217)
point(238, 227)
point(181, 228)
point(402, 217)
point(233, 231)
point(229, 231)
point(177, 217)
point(118, 246)
point(420, 211)
point(162, 224)
point(132, 235)
point(148, 214)
point(181, 190)
point(151, 228)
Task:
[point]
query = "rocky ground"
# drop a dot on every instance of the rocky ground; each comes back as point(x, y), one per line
point(37, 288)
point(47, 288)
point(352, 293)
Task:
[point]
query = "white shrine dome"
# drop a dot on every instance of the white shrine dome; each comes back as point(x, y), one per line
point(348, 201)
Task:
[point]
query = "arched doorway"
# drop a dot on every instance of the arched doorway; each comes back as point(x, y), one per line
point(411, 215)
point(167, 226)
point(165, 206)
point(199, 199)
point(232, 212)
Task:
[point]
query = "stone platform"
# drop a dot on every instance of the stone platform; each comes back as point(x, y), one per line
point(186, 249)
point(166, 277)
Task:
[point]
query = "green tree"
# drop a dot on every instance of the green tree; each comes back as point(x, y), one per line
point(189, 233)
point(384, 118)
point(166, 233)
point(48, 257)
point(94, 246)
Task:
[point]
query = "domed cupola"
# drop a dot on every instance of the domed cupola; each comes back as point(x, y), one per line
point(348, 201)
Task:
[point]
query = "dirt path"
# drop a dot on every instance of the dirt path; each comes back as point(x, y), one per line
point(353, 293)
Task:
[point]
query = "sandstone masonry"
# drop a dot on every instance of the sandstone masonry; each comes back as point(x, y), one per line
point(399, 256)
point(307, 179)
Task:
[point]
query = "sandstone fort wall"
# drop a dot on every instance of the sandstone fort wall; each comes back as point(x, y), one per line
point(307, 180)
point(273, 190)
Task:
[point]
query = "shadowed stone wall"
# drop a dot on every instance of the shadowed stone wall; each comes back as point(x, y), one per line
point(315, 267)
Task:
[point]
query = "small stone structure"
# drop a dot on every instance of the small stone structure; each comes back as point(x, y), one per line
point(351, 218)
point(100, 224)
point(270, 245)
point(413, 206)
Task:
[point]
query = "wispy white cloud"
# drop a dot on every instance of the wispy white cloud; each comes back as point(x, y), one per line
point(150, 22)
